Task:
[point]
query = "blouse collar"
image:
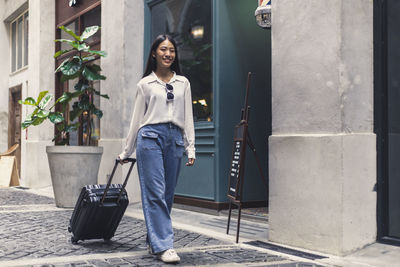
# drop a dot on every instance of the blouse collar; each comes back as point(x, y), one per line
point(154, 78)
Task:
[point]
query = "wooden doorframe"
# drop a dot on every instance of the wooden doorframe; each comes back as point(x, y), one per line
point(16, 90)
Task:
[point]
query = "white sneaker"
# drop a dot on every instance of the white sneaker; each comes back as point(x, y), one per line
point(168, 256)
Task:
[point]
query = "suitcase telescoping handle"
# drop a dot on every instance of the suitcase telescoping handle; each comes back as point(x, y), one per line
point(112, 175)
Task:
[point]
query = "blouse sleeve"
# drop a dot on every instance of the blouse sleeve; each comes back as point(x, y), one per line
point(189, 124)
point(138, 113)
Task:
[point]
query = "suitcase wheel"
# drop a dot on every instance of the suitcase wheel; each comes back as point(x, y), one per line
point(73, 240)
point(69, 229)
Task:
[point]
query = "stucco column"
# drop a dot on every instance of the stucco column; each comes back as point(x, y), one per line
point(322, 149)
point(35, 170)
point(122, 37)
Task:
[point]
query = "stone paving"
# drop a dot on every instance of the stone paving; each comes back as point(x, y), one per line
point(33, 232)
point(13, 196)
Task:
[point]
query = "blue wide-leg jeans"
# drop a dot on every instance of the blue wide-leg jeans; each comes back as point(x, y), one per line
point(159, 152)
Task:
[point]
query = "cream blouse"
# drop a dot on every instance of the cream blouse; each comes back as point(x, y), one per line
point(152, 107)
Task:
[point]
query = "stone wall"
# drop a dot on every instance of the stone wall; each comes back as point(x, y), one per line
point(4, 70)
point(322, 148)
point(122, 38)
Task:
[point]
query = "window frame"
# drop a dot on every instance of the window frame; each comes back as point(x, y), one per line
point(63, 87)
point(25, 61)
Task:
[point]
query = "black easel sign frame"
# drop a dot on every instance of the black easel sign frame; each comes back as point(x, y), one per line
point(241, 139)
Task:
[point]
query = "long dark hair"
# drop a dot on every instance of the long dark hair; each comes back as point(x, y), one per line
point(151, 61)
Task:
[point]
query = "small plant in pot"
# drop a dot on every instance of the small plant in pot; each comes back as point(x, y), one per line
point(83, 161)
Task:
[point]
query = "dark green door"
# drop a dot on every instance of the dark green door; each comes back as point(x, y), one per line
point(393, 82)
point(387, 120)
point(219, 42)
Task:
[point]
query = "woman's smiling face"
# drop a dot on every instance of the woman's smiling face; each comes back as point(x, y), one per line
point(164, 54)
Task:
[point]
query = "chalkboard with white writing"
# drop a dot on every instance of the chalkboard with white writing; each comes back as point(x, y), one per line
point(237, 163)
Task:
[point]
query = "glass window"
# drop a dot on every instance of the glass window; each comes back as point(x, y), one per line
point(73, 136)
point(26, 30)
point(94, 120)
point(13, 46)
point(189, 23)
point(91, 18)
point(73, 26)
point(19, 42)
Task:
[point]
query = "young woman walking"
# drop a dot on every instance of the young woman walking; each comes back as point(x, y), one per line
point(161, 129)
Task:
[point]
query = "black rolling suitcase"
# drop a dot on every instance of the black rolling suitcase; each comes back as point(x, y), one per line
point(99, 209)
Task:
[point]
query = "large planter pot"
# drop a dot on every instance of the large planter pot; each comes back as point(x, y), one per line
point(71, 168)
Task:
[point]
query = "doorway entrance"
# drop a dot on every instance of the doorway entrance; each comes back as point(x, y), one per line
point(208, 34)
point(387, 117)
point(14, 122)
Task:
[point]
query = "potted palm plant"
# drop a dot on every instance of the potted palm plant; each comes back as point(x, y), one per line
point(71, 167)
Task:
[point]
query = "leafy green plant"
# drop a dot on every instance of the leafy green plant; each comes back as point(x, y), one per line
point(79, 65)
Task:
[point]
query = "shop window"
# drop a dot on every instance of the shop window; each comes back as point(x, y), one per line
point(19, 42)
point(189, 23)
point(78, 24)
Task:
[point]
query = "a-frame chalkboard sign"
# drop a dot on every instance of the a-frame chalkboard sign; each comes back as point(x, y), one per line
point(241, 139)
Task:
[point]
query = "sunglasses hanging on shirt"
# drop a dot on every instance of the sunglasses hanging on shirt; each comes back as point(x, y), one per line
point(170, 95)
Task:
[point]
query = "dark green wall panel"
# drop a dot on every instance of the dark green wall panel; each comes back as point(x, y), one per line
point(241, 46)
point(199, 180)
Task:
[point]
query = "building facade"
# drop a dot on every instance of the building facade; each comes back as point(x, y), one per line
point(325, 130)
point(27, 39)
point(212, 36)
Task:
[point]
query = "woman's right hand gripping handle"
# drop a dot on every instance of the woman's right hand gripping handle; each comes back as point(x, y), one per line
point(123, 161)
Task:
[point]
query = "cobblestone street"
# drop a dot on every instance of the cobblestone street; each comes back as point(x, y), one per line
point(33, 232)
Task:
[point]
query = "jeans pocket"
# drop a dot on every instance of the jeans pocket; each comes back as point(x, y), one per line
point(179, 148)
point(150, 140)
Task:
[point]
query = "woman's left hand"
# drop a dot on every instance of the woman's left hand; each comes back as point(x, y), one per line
point(190, 162)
